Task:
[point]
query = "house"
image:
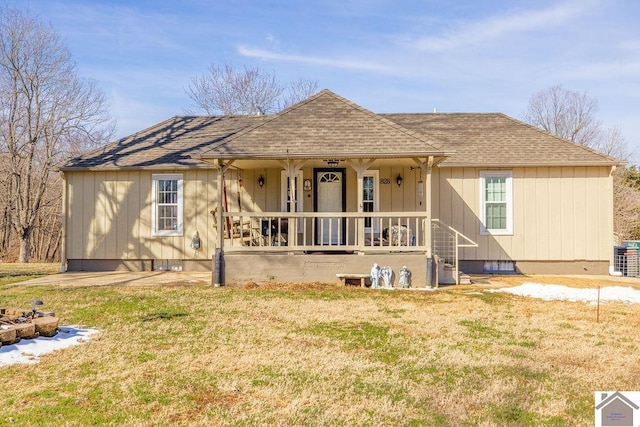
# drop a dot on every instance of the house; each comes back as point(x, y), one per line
point(616, 410)
point(328, 187)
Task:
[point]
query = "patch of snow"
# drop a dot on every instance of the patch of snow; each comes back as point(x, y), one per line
point(590, 295)
point(28, 351)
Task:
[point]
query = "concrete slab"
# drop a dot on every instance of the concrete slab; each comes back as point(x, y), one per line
point(120, 278)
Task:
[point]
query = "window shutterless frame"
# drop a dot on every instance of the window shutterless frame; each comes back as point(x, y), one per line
point(166, 205)
point(496, 202)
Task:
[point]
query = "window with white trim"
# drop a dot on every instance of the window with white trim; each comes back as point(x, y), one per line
point(496, 202)
point(370, 197)
point(166, 202)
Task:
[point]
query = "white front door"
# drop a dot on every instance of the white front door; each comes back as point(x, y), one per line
point(329, 199)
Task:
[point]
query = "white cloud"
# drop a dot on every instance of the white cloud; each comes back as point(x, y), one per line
point(606, 71)
point(472, 33)
point(314, 60)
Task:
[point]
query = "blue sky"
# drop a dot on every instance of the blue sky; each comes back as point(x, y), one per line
point(388, 56)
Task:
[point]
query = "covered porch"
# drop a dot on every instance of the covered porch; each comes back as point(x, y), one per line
point(350, 184)
point(294, 244)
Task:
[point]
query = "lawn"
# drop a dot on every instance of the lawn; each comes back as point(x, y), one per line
point(291, 355)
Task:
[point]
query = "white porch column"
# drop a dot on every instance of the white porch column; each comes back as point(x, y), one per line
point(218, 273)
point(291, 169)
point(360, 167)
point(426, 168)
point(427, 204)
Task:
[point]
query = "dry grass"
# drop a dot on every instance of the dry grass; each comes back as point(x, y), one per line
point(279, 354)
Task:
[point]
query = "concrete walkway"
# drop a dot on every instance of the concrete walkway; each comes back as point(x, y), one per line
point(121, 278)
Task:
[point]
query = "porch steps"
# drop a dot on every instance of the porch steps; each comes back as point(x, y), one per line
point(447, 276)
point(464, 279)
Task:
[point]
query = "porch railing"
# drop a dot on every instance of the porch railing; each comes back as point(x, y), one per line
point(343, 231)
point(447, 242)
point(324, 231)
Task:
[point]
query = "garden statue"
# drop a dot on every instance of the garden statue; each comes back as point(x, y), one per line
point(375, 276)
point(405, 277)
point(387, 275)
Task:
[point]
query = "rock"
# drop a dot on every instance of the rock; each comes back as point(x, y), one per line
point(7, 334)
point(25, 330)
point(46, 326)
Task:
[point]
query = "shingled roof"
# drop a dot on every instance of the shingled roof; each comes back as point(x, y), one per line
point(326, 125)
point(495, 139)
point(176, 143)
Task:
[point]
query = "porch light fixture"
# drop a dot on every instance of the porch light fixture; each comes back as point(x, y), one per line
point(399, 180)
point(332, 163)
point(261, 181)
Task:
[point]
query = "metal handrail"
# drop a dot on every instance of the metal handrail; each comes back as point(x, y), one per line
point(453, 257)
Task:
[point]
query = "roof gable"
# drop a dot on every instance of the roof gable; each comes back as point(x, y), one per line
point(619, 396)
point(326, 125)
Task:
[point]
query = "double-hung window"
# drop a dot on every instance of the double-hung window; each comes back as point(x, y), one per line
point(496, 202)
point(166, 214)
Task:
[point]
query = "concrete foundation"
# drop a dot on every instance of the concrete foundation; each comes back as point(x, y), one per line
point(245, 267)
point(260, 268)
point(544, 267)
point(133, 265)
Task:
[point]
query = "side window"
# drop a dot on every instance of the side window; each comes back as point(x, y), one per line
point(166, 200)
point(496, 202)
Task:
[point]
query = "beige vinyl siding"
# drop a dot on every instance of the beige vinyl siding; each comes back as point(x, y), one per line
point(109, 213)
point(559, 213)
point(109, 216)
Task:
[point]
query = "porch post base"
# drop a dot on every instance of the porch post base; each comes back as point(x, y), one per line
point(218, 268)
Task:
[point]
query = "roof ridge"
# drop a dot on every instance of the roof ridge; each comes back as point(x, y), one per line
point(566, 141)
point(443, 113)
point(352, 104)
point(271, 118)
point(388, 122)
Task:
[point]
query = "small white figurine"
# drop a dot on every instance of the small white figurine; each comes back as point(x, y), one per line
point(387, 275)
point(375, 276)
point(405, 277)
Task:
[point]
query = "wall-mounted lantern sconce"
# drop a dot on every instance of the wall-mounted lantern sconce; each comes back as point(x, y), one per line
point(399, 180)
point(261, 181)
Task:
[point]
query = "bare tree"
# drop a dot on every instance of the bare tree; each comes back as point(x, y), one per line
point(613, 144)
point(566, 113)
point(46, 113)
point(626, 206)
point(249, 91)
point(298, 90)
